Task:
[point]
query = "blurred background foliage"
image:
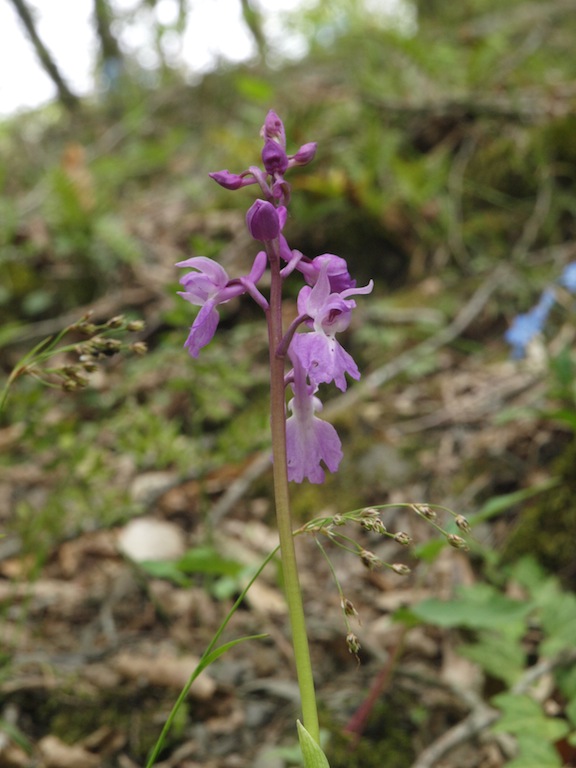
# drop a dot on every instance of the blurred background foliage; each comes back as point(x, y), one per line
point(447, 147)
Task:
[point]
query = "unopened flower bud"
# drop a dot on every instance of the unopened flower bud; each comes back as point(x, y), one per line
point(136, 325)
point(228, 180)
point(116, 322)
point(74, 373)
point(305, 154)
point(86, 328)
point(110, 347)
point(402, 538)
point(262, 220)
point(274, 157)
point(378, 526)
point(338, 520)
point(369, 559)
point(348, 607)
point(456, 541)
point(401, 569)
point(425, 511)
point(462, 523)
point(353, 643)
point(139, 347)
point(273, 128)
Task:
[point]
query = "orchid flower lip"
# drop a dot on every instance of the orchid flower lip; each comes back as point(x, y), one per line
point(310, 441)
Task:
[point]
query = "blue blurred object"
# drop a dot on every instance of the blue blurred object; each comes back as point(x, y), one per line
point(528, 325)
point(568, 277)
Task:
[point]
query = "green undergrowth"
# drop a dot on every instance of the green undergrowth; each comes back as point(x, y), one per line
point(507, 637)
point(387, 739)
point(546, 528)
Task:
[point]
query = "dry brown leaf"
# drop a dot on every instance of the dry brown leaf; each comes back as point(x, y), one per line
point(56, 754)
point(72, 555)
point(13, 756)
point(164, 670)
point(45, 592)
point(266, 600)
point(105, 740)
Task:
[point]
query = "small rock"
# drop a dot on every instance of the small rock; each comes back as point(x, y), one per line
point(149, 539)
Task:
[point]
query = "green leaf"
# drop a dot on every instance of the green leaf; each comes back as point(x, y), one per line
point(566, 415)
point(566, 678)
point(524, 718)
point(478, 607)
point(498, 655)
point(207, 560)
point(571, 711)
point(204, 662)
point(535, 753)
point(498, 504)
point(201, 560)
point(557, 614)
point(165, 569)
point(313, 755)
point(407, 617)
point(529, 574)
point(16, 735)
point(210, 658)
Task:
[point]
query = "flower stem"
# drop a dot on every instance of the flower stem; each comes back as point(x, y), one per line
point(284, 521)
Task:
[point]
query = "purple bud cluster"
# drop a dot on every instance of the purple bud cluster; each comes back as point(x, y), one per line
point(525, 327)
point(325, 304)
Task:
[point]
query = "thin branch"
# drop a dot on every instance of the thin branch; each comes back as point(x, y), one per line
point(68, 99)
point(253, 21)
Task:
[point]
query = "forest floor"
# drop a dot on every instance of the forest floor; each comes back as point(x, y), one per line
point(96, 648)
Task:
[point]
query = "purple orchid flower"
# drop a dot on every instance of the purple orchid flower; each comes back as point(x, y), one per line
point(263, 221)
point(209, 286)
point(309, 440)
point(323, 358)
point(336, 269)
